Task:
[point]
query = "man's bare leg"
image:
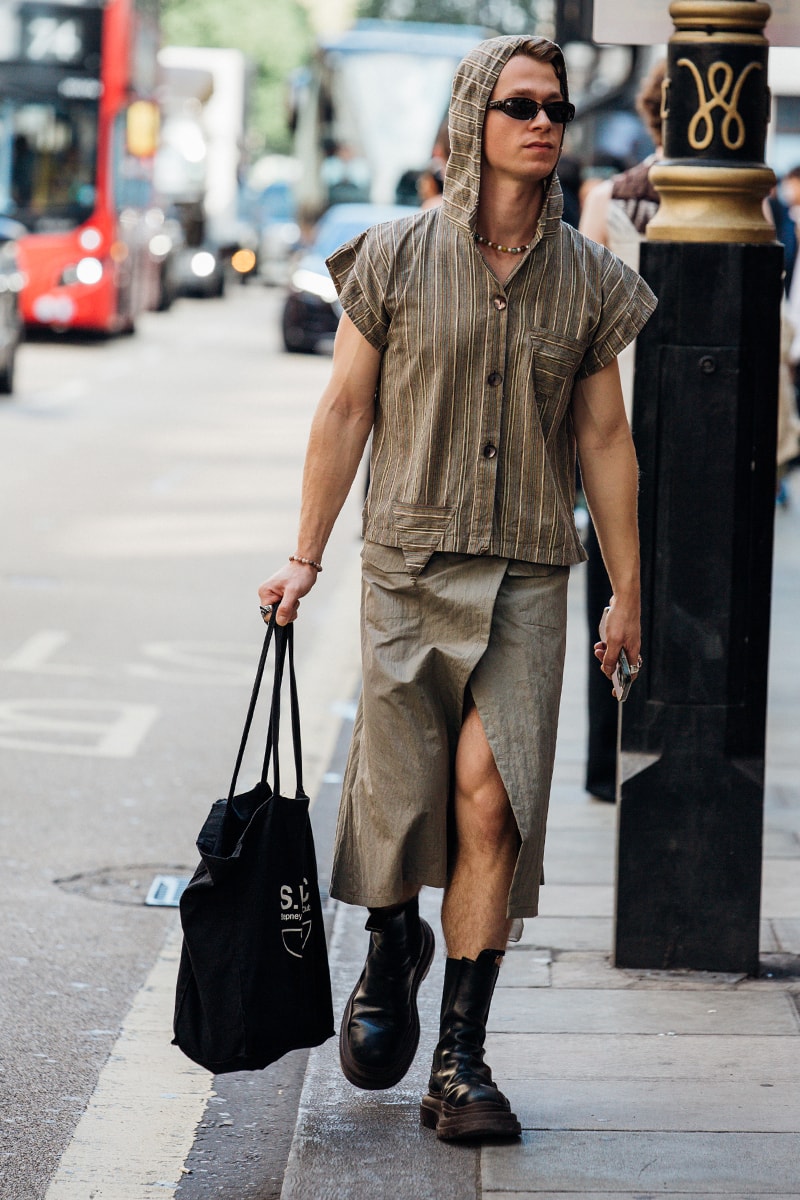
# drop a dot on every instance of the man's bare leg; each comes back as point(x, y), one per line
point(487, 843)
point(463, 1100)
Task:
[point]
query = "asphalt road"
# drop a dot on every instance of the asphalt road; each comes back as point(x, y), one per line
point(147, 485)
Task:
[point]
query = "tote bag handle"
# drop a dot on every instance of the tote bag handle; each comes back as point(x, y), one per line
point(284, 640)
point(284, 637)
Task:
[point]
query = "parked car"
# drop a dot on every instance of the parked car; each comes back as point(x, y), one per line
point(165, 246)
point(200, 271)
point(11, 282)
point(311, 311)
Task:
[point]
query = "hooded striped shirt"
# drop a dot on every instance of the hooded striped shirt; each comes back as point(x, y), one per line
point(473, 449)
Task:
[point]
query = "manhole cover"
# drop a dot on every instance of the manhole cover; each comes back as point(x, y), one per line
point(143, 883)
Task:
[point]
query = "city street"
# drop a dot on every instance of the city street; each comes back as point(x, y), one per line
point(148, 484)
point(484, 180)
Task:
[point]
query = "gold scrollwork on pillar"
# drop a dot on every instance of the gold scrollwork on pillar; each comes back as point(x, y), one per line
point(720, 80)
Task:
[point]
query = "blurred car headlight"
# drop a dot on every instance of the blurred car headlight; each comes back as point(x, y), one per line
point(243, 261)
point(88, 271)
point(203, 264)
point(160, 245)
point(321, 286)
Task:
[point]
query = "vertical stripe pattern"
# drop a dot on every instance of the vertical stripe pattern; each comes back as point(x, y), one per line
point(473, 448)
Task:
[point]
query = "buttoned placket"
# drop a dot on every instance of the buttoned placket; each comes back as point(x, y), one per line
point(494, 388)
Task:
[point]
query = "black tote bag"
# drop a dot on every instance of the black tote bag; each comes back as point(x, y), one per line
point(253, 981)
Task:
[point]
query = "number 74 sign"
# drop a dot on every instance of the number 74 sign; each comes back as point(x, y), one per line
point(53, 40)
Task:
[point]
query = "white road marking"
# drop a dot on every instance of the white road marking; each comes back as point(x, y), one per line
point(34, 655)
point(196, 662)
point(139, 1126)
point(93, 729)
point(72, 389)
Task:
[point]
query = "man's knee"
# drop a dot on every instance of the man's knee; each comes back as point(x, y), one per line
point(485, 813)
point(484, 810)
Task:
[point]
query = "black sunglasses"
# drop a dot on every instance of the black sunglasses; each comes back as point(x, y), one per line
point(560, 112)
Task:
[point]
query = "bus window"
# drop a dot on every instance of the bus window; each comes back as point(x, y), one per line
point(48, 163)
point(133, 178)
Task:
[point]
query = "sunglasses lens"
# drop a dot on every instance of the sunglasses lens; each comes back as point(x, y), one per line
point(561, 112)
point(520, 108)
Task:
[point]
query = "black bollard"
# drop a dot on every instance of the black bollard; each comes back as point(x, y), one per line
point(691, 768)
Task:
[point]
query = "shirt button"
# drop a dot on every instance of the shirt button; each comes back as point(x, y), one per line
point(500, 303)
point(490, 451)
point(495, 379)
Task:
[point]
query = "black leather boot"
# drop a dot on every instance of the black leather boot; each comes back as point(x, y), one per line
point(463, 1101)
point(380, 1026)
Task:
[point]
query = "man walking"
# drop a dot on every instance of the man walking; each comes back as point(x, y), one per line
point(478, 344)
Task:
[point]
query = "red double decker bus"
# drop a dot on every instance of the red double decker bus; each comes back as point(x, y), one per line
point(78, 133)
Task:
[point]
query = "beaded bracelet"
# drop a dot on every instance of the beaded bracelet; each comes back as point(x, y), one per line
point(307, 562)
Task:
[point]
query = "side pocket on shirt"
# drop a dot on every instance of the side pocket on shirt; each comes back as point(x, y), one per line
point(421, 528)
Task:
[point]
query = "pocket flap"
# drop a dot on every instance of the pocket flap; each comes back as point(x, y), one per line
point(421, 528)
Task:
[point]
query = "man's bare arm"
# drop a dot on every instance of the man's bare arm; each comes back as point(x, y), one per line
point(611, 483)
point(339, 433)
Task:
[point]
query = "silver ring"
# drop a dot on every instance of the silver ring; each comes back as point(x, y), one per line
point(266, 611)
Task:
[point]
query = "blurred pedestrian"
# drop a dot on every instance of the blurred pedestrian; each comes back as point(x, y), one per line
point(785, 209)
point(345, 175)
point(790, 188)
point(430, 186)
point(479, 339)
point(788, 439)
point(785, 231)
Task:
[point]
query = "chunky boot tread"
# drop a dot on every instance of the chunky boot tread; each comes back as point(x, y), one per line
point(371, 1078)
point(481, 1119)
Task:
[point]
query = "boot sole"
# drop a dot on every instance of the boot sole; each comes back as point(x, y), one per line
point(479, 1120)
point(377, 1080)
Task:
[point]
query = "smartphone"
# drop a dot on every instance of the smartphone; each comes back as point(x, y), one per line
point(622, 678)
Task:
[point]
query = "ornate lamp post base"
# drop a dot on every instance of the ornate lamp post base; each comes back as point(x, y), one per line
point(710, 204)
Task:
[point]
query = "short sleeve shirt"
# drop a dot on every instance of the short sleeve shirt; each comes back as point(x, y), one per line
point(473, 447)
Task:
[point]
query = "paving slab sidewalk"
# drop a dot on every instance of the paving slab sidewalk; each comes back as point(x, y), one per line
point(627, 1083)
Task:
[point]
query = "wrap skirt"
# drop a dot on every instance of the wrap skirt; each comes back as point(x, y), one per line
point(490, 625)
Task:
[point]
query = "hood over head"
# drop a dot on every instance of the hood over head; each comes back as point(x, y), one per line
point(473, 85)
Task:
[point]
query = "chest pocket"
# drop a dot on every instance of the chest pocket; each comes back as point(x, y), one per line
point(554, 363)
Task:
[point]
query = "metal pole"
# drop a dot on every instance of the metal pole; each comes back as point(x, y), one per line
point(693, 735)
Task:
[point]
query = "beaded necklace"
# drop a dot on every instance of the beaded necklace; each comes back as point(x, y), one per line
point(496, 245)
